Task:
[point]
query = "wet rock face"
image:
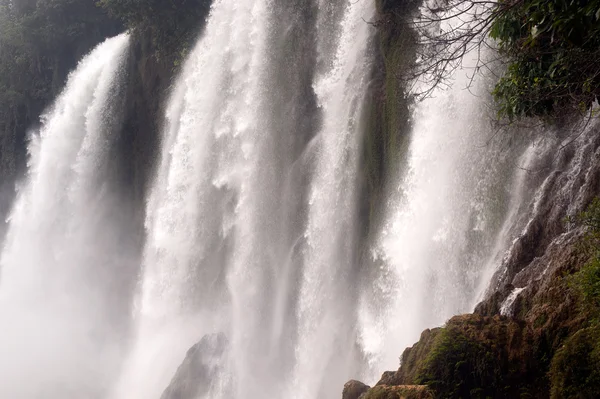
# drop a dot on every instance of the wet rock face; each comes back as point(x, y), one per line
point(354, 389)
point(547, 244)
point(202, 364)
point(472, 353)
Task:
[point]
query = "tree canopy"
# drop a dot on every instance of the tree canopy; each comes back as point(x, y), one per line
point(551, 49)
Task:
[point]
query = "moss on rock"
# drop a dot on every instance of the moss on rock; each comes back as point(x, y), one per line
point(398, 392)
point(387, 107)
point(476, 356)
point(550, 348)
point(412, 360)
point(575, 368)
point(354, 389)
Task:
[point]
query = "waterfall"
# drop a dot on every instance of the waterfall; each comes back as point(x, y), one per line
point(449, 219)
point(252, 220)
point(252, 216)
point(254, 248)
point(60, 262)
point(326, 309)
point(456, 214)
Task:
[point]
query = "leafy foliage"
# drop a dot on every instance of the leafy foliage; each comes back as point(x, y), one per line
point(554, 53)
point(552, 48)
point(588, 283)
point(454, 366)
point(398, 392)
point(575, 370)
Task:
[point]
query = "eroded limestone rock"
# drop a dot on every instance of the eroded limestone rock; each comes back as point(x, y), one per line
point(202, 365)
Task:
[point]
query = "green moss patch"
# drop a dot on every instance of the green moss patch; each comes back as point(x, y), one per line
point(575, 369)
point(398, 392)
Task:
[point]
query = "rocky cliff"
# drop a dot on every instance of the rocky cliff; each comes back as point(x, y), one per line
point(536, 334)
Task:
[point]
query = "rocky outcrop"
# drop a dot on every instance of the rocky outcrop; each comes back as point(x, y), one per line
point(476, 356)
point(411, 361)
point(546, 342)
point(398, 392)
point(548, 242)
point(354, 389)
point(472, 356)
point(357, 390)
point(202, 364)
point(546, 348)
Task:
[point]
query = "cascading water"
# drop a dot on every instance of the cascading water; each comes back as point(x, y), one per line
point(444, 220)
point(251, 221)
point(253, 238)
point(61, 259)
point(326, 310)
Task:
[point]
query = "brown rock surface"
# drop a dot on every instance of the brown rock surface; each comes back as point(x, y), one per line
point(354, 389)
point(398, 392)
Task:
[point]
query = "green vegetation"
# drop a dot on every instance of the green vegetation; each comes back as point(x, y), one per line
point(398, 392)
point(475, 357)
point(553, 48)
point(575, 368)
point(467, 360)
point(587, 280)
point(387, 108)
point(40, 42)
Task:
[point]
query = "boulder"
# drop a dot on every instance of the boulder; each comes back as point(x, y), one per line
point(354, 389)
point(202, 364)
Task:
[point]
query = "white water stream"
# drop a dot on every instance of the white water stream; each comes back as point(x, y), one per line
point(60, 260)
point(252, 225)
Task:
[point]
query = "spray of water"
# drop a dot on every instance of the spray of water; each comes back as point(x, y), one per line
point(449, 219)
point(252, 220)
point(61, 256)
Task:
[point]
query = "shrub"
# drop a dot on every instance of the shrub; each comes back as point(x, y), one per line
point(575, 369)
point(553, 48)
